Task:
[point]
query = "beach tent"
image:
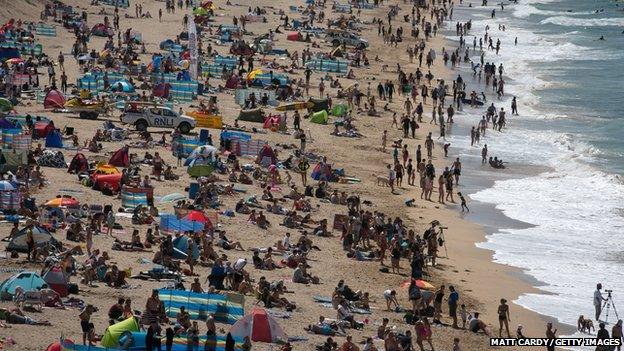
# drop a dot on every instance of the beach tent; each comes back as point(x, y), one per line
point(207, 152)
point(105, 169)
point(320, 172)
point(112, 181)
point(113, 332)
point(339, 110)
point(266, 156)
point(29, 281)
point(54, 99)
point(122, 86)
point(319, 117)
point(120, 158)
point(56, 280)
point(259, 326)
point(226, 307)
point(272, 121)
point(255, 115)
point(319, 105)
point(54, 139)
point(181, 246)
point(78, 164)
point(199, 167)
point(100, 30)
point(41, 235)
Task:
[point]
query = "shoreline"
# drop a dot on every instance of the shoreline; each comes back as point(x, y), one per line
point(480, 281)
point(490, 280)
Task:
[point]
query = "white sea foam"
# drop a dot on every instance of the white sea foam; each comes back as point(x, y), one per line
point(584, 22)
point(575, 209)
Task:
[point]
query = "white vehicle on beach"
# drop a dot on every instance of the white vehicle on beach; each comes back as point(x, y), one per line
point(144, 115)
point(340, 37)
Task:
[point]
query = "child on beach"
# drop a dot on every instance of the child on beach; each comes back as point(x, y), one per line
point(464, 315)
point(464, 207)
point(86, 325)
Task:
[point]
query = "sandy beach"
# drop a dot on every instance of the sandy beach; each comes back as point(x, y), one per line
point(480, 282)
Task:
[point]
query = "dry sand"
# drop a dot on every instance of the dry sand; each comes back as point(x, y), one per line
point(480, 282)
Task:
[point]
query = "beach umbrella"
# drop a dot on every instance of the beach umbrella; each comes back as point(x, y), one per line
point(6, 186)
point(421, 284)
point(197, 216)
point(63, 202)
point(122, 86)
point(200, 11)
point(14, 61)
point(172, 198)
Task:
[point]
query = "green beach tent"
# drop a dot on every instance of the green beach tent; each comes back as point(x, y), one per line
point(320, 117)
point(339, 110)
point(113, 332)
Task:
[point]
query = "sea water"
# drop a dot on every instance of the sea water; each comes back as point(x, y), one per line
point(570, 91)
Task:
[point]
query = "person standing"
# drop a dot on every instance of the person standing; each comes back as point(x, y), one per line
point(603, 334)
point(452, 302)
point(437, 304)
point(550, 334)
point(598, 299)
point(503, 318)
point(616, 333)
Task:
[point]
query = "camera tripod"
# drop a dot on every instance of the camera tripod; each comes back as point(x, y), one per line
point(607, 305)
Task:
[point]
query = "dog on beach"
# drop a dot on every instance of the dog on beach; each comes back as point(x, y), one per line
point(382, 181)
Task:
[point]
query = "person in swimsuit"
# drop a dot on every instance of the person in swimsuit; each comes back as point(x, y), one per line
point(550, 334)
point(503, 318)
point(457, 170)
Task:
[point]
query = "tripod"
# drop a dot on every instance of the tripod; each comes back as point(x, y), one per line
point(608, 304)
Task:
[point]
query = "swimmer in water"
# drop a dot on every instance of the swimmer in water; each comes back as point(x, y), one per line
point(601, 37)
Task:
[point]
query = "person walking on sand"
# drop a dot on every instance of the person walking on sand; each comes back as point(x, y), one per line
point(429, 145)
point(464, 207)
point(503, 318)
point(384, 140)
point(514, 106)
point(321, 88)
point(456, 170)
point(550, 334)
point(391, 178)
point(484, 153)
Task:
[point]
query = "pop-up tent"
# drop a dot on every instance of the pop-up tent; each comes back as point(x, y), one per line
point(319, 117)
point(113, 332)
point(56, 280)
point(78, 164)
point(29, 281)
point(259, 326)
point(54, 139)
point(266, 156)
point(41, 235)
point(54, 99)
point(181, 246)
point(120, 158)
